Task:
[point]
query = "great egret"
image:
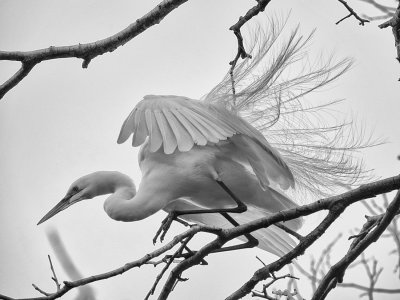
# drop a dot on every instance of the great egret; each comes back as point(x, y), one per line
point(194, 156)
point(202, 156)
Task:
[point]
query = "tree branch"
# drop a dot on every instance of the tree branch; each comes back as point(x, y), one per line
point(366, 289)
point(394, 22)
point(351, 13)
point(372, 272)
point(335, 205)
point(88, 51)
point(264, 294)
point(265, 272)
point(241, 52)
point(336, 273)
point(69, 285)
point(387, 10)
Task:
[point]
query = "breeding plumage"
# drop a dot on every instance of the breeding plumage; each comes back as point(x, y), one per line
point(258, 143)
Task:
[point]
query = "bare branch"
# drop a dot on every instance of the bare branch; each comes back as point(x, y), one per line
point(290, 231)
point(264, 293)
point(365, 288)
point(394, 22)
point(387, 10)
point(84, 292)
point(69, 285)
point(167, 265)
point(337, 271)
point(351, 13)
point(335, 205)
point(55, 279)
point(241, 52)
point(40, 290)
point(88, 51)
point(373, 272)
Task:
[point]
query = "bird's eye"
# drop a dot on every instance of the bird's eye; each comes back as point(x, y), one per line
point(75, 189)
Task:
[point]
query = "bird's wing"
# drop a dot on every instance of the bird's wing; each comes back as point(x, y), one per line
point(178, 122)
point(173, 122)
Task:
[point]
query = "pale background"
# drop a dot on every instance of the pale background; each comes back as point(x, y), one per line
point(61, 122)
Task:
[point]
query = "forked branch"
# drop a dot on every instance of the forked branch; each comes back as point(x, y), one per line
point(351, 13)
point(88, 51)
point(241, 51)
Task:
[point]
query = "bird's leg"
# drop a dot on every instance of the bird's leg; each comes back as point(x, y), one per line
point(251, 240)
point(191, 253)
point(240, 208)
point(172, 215)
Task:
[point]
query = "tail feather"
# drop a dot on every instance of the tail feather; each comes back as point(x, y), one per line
point(278, 201)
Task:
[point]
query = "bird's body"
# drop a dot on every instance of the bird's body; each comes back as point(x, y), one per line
point(192, 176)
point(187, 146)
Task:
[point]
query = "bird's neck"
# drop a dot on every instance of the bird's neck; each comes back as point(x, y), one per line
point(128, 206)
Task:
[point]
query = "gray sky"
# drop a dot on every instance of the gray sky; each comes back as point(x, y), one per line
point(61, 122)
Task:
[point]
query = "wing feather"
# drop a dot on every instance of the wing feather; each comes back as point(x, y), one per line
point(127, 127)
point(153, 130)
point(140, 129)
point(210, 134)
point(183, 138)
point(168, 137)
point(197, 137)
point(213, 116)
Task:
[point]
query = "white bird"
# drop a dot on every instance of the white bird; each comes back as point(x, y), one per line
point(202, 156)
point(191, 153)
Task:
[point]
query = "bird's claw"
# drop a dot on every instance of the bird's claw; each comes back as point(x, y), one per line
point(165, 225)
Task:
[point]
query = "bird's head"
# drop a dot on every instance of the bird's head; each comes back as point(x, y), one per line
point(88, 187)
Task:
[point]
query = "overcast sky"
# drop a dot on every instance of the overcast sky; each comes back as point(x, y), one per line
point(61, 122)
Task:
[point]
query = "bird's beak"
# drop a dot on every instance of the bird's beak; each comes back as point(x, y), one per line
point(63, 204)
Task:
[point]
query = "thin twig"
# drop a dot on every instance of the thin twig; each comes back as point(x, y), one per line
point(387, 10)
point(40, 290)
point(351, 13)
point(290, 231)
point(264, 293)
point(241, 51)
point(58, 285)
point(364, 288)
point(167, 265)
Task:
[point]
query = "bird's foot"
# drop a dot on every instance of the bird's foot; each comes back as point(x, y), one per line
point(165, 225)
